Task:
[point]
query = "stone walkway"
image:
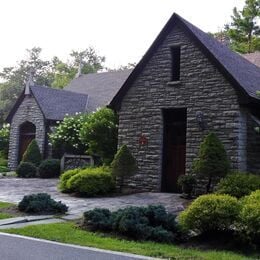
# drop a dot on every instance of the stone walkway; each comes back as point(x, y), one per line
point(13, 190)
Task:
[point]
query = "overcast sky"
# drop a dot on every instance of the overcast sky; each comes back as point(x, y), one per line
point(121, 30)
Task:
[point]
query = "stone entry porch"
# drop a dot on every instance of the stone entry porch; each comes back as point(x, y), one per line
point(13, 190)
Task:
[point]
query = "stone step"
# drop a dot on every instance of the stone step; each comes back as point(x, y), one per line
point(23, 219)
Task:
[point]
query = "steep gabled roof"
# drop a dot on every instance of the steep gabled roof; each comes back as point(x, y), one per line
point(242, 74)
point(54, 103)
point(100, 87)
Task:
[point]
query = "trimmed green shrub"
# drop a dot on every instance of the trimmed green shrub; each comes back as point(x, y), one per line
point(248, 224)
point(212, 159)
point(124, 164)
point(92, 182)
point(238, 184)
point(26, 170)
point(210, 213)
point(49, 168)
point(63, 184)
point(33, 154)
point(142, 223)
point(41, 203)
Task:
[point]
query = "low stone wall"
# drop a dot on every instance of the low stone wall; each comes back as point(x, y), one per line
point(71, 161)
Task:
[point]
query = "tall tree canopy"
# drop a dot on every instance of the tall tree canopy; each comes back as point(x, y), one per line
point(243, 33)
point(244, 30)
point(54, 73)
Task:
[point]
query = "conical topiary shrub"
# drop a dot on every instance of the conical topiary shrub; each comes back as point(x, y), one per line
point(32, 154)
point(124, 164)
point(212, 160)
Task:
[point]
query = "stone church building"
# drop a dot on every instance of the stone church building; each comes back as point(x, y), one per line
point(186, 85)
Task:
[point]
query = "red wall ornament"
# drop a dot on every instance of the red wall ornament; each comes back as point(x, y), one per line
point(143, 140)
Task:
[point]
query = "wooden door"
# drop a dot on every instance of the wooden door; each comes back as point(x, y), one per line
point(174, 149)
point(27, 134)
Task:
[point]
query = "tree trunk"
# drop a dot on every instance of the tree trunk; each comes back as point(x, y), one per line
point(209, 184)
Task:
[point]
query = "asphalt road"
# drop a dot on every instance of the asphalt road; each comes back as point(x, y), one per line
point(13, 247)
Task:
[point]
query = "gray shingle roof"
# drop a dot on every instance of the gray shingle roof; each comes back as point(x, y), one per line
point(243, 75)
point(56, 103)
point(244, 72)
point(253, 57)
point(100, 87)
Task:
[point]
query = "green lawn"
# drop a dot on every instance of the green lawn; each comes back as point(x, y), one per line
point(3, 206)
point(5, 215)
point(69, 233)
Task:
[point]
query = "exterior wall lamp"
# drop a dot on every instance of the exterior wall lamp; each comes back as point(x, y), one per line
point(201, 120)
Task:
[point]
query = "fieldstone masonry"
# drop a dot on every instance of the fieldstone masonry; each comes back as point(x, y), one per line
point(28, 111)
point(201, 88)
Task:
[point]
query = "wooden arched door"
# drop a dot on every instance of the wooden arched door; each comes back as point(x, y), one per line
point(27, 134)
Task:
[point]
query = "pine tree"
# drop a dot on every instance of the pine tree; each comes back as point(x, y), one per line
point(32, 154)
point(244, 30)
point(124, 164)
point(212, 159)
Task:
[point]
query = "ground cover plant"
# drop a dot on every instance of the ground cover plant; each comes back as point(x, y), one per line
point(139, 223)
point(41, 203)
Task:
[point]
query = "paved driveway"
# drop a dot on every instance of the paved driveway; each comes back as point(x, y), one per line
point(13, 190)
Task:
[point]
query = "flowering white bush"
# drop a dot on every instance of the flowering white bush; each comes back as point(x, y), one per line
point(65, 137)
point(4, 139)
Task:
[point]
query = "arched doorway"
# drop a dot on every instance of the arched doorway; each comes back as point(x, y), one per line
point(27, 134)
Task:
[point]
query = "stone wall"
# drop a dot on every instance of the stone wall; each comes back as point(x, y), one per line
point(27, 111)
point(253, 147)
point(202, 88)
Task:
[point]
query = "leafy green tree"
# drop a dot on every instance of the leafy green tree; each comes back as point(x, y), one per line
point(66, 137)
point(100, 133)
point(124, 164)
point(14, 78)
point(212, 159)
point(54, 73)
point(244, 30)
point(88, 60)
point(33, 154)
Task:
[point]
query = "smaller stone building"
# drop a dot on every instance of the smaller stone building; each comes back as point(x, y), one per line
point(34, 114)
point(186, 85)
point(38, 108)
